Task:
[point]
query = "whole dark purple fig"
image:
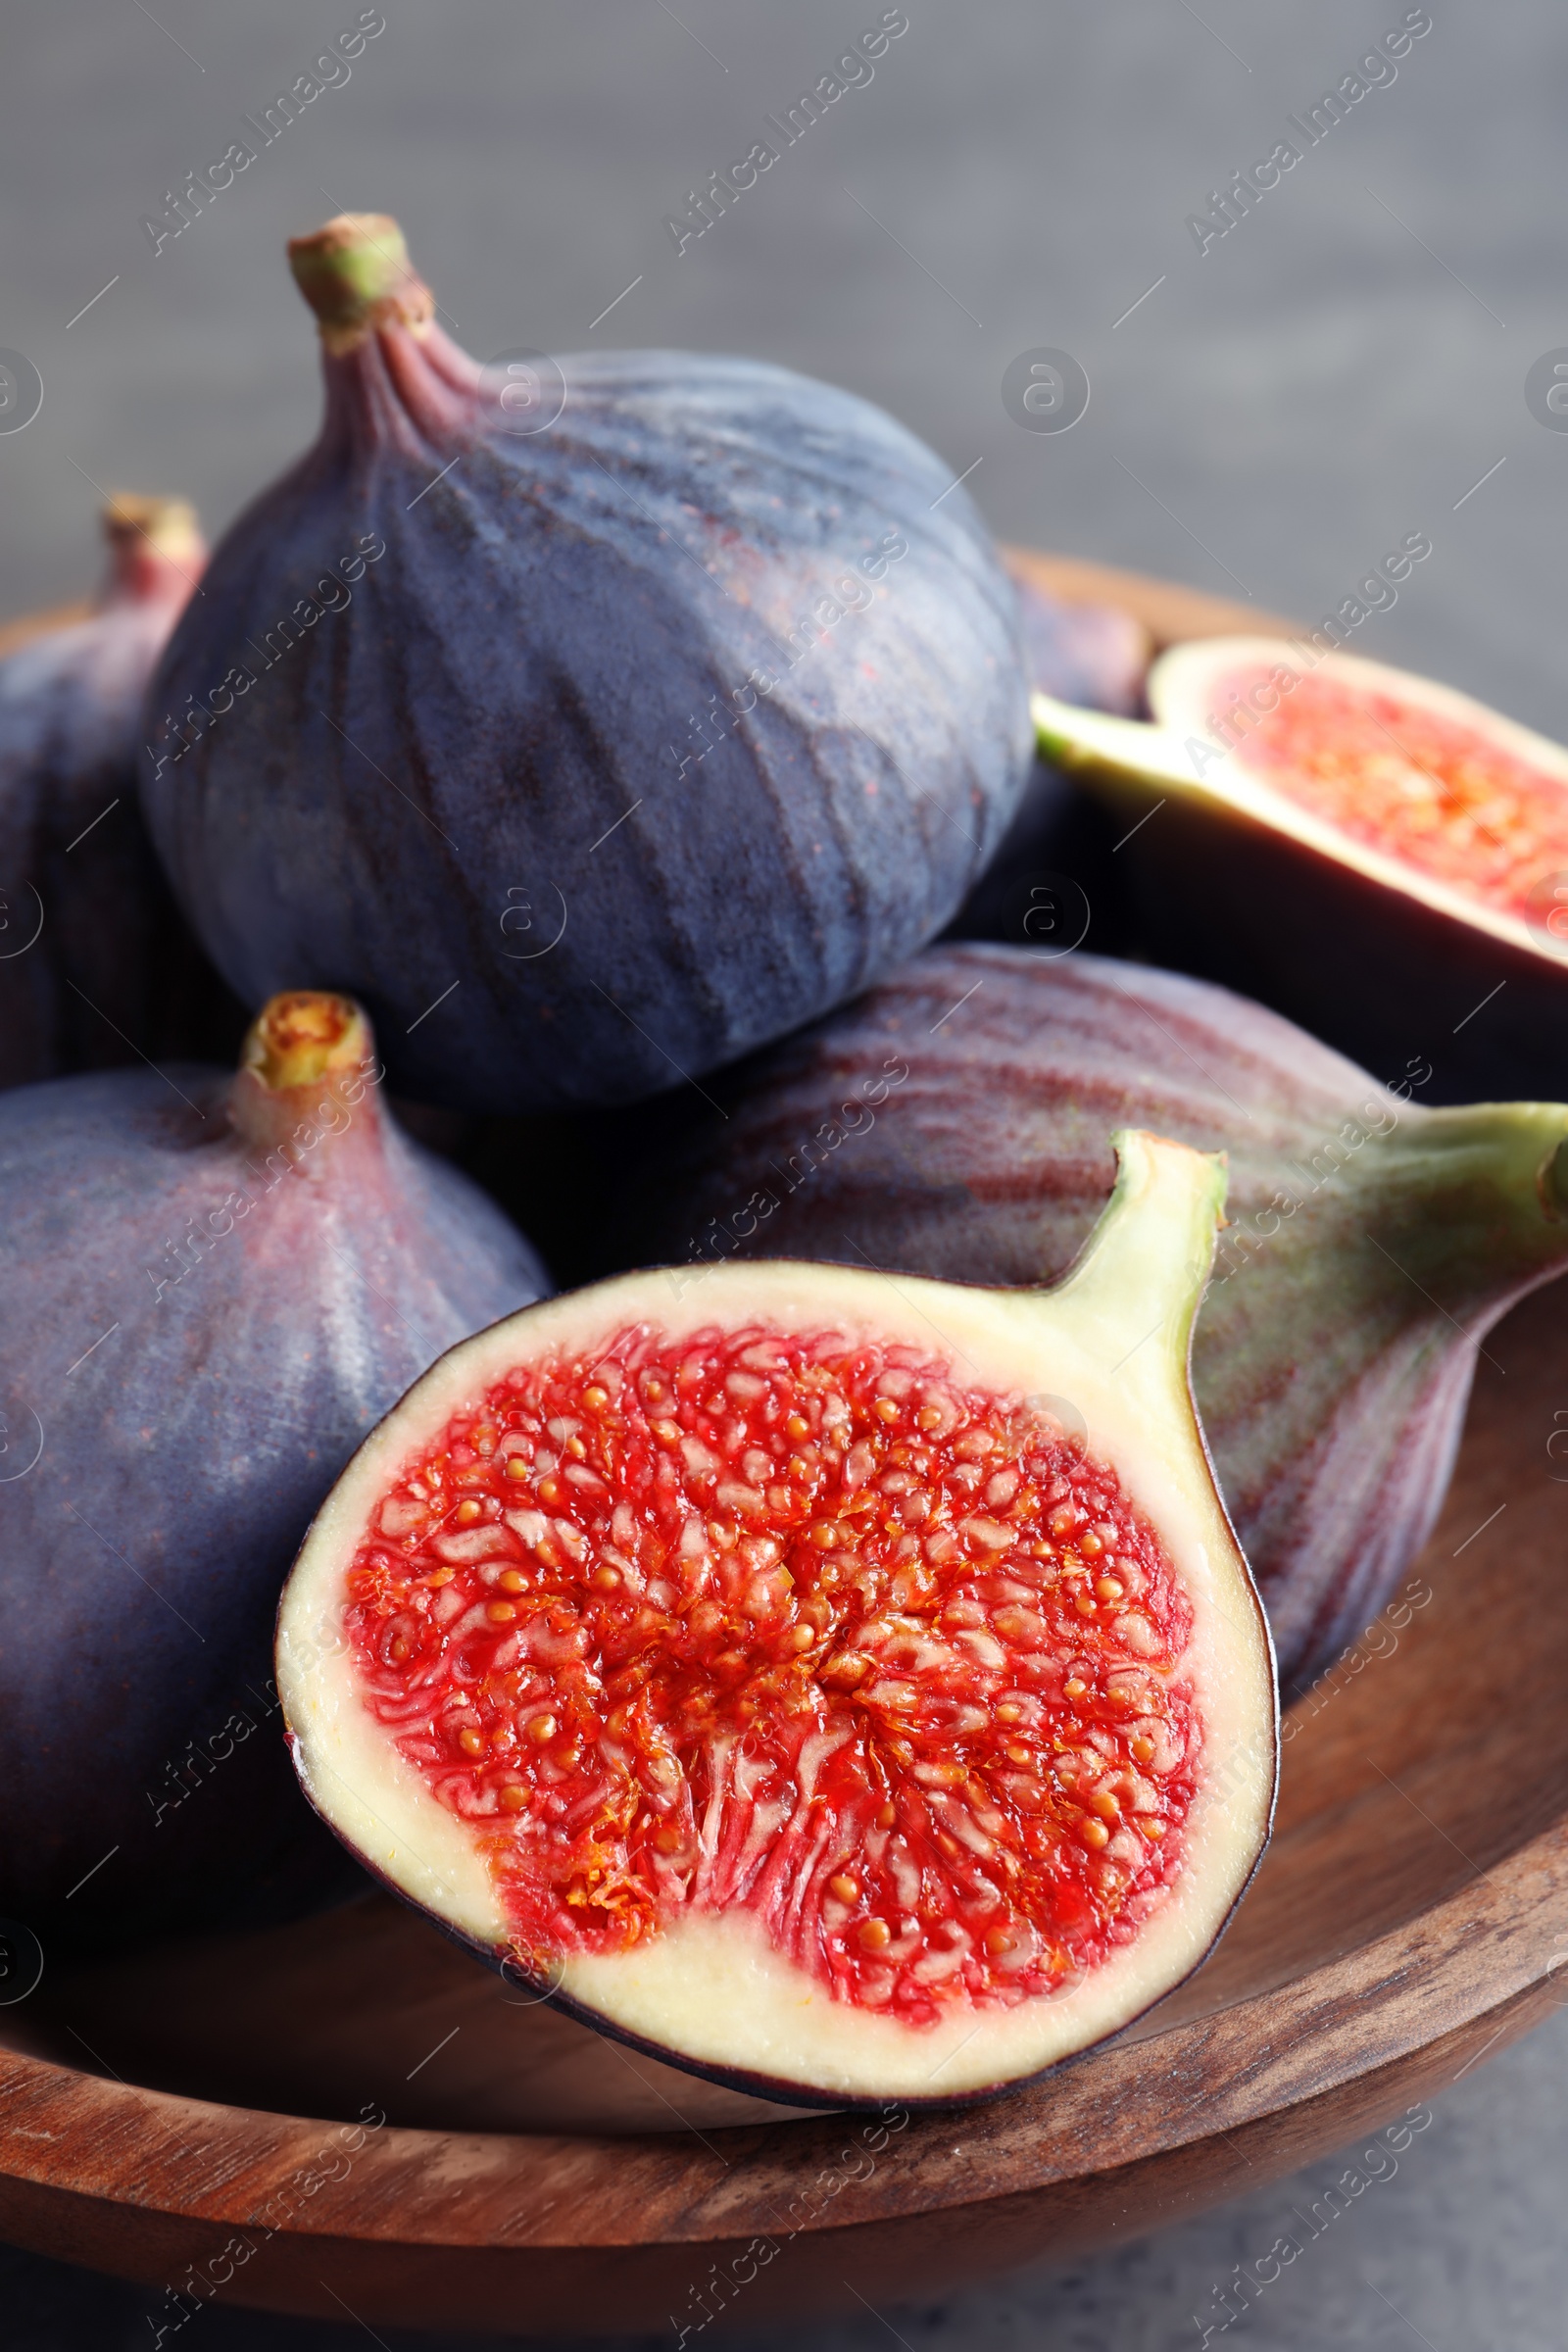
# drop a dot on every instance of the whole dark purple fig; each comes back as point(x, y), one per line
point(1055, 866)
point(592, 723)
point(96, 965)
point(957, 1123)
point(1096, 656)
point(214, 1286)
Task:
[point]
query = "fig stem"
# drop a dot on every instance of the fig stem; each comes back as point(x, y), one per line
point(167, 524)
point(1135, 748)
point(356, 275)
point(1136, 1283)
point(1514, 1154)
point(298, 1043)
point(155, 547)
point(298, 1039)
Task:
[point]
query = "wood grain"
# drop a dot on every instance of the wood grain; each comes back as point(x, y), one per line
point(15, 634)
point(1410, 1919)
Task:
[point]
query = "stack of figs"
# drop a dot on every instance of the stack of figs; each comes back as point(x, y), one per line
point(542, 804)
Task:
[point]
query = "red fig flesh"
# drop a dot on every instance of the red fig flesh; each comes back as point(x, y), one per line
point(955, 1124)
point(1457, 802)
point(216, 1284)
point(799, 1687)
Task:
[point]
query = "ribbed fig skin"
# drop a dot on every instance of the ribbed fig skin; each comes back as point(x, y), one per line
point(955, 1123)
point(95, 962)
point(527, 758)
point(185, 1424)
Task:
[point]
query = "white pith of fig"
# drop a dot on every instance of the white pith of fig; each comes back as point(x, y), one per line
point(844, 1686)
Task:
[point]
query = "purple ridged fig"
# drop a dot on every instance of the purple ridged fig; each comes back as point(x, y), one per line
point(215, 1285)
point(589, 745)
point(95, 963)
point(957, 1123)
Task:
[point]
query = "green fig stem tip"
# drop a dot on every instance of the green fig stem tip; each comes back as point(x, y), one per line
point(1139, 1278)
point(356, 275)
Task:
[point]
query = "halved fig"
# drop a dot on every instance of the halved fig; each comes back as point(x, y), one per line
point(1370, 852)
point(843, 1687)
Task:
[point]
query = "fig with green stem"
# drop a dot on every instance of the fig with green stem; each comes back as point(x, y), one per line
point(955, 1123)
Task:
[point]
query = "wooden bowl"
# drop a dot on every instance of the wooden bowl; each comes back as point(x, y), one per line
point(15, 634)
point(349, 2117)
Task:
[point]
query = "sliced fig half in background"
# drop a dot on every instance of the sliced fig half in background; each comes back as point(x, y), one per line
point(214, 1284)
point(955, 1123)
point(1371, 852)
point(96, 965)
point(593, 721)
point(840, 1688)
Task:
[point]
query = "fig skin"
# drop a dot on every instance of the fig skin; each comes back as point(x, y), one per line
point(1058, 857)
point(1093, 655)
point(524, 746)
point(1331, 1379)
point(95, 961)
point(191, 1374)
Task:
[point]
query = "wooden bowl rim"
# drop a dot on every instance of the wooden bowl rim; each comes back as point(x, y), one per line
point(1458, 1961)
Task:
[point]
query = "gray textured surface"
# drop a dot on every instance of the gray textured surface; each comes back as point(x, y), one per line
point(1339, 371)
point(1314, 383)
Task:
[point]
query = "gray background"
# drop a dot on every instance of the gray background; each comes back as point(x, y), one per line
point(1337, 372)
